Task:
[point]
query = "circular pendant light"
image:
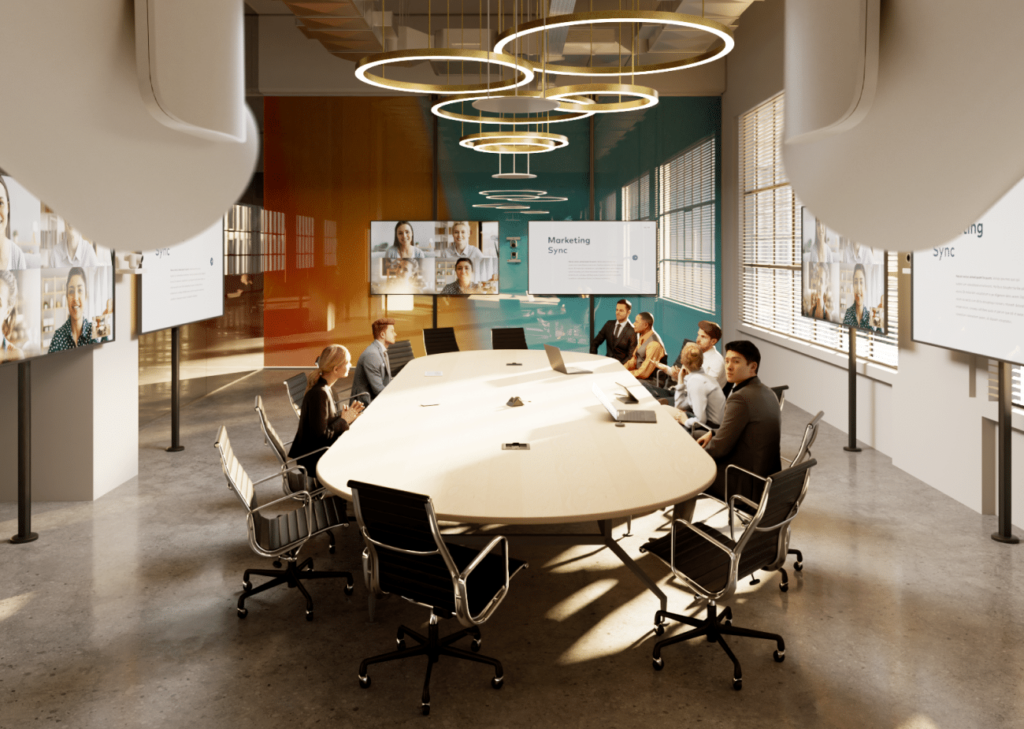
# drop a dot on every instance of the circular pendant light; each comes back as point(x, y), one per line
point(524, 70)
point(643, 97)
point(569, 109)
point(514, 142)
point(515, 104)
point(617, 17)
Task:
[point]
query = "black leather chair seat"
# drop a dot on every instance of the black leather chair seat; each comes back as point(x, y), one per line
point(697, 558)
point(276, 531)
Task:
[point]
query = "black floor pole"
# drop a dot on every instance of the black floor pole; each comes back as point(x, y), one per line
point(591, 318)
point(1005, 533)
point(25, 533)
point(176, 391)
point(852, 446)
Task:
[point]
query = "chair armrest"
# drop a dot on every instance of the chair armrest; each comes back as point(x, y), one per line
point(787, 460)
point(299, 458)
point(728, 469)
point(283, 470)
point(463, 587)
point(350, 398)
point(297, 496)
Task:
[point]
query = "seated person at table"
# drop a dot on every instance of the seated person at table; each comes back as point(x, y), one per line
point(647, 350)
point(750, 431)
point(708, 335)
point(617, 332)
point(699, 398)
point(373, 371)
point(320, 423)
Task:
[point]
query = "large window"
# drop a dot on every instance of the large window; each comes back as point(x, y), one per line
point(636, 199)
point(686, 226)
point(770, 240)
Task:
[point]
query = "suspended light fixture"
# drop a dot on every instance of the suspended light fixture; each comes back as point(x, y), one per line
point(643, 97)
point(513, 175)
point(569, 109)
point(514, 142)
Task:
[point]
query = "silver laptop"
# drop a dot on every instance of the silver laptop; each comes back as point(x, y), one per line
point(555, 358)
point(623, 416)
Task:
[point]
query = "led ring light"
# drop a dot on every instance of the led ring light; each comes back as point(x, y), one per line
point(523, 69)
point(644, 97)
point(615, 17)
point(567, 108)
point(514, 142)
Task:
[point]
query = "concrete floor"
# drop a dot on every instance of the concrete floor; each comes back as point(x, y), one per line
point(906, 615)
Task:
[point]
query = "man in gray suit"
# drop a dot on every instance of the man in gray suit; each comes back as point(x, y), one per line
point(750, 432)
point(373, 371)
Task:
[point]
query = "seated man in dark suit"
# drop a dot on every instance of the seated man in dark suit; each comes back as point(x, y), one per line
point(750, 432)
point(373, 371)
point(617, 332)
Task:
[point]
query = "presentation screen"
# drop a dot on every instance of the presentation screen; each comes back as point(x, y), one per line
point(442, 257)
point(184, 283)
point(969, 293)
point(56, 287)
point(844, 282)
point(593, 257)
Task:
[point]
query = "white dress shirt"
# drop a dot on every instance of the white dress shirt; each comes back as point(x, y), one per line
point(703, 396)
point(714, 366)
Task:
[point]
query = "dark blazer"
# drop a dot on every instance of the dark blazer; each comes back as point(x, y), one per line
point(617, 348)
point(373, 373)
point(319, 426)
point(749, 438)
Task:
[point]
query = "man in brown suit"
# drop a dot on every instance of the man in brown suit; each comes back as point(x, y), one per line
point(750, 432)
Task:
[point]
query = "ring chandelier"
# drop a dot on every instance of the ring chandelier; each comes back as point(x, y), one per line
point(524, 70)
point(514, 198)
point(569, 109)
point(616, 17)
point(643, 97)
point(514, 142)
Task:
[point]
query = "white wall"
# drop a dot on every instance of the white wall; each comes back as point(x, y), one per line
point(85, 415)
point(932, 417)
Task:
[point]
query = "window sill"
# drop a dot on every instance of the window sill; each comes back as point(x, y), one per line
point(865, 369)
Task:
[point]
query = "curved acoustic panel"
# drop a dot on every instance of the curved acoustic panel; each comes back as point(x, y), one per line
point(78, 135)
point(190, 57)
point(940, 143)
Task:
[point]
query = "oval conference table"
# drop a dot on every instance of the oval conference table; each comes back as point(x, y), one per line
point(440, 426)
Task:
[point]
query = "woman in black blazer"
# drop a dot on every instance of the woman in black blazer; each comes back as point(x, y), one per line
point(320, 423)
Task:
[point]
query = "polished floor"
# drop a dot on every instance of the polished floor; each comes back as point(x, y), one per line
point(906, 615)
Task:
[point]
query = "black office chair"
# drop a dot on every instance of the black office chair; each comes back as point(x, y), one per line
point(293, 480)
point(296, 387)
point(508, 338)
point(281, 536)
point(406, 555)
point(399, 355)
point(802, 454)
point(711, 563)
point(663, 380)
point(437, 341)
point(780, 392)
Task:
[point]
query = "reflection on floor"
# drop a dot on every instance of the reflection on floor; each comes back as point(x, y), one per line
point(906, 615)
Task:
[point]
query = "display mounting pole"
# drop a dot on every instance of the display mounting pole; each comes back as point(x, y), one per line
point(25, 533)
point(176, 445)
point(852, 446)
point(1005, 533)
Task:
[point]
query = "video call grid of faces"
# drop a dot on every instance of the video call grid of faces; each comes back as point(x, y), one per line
point(448, 258)
point(843, 281)
point(56, 288)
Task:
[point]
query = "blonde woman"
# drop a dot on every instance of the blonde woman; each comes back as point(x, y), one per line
point(321, 423)
point(697, 393)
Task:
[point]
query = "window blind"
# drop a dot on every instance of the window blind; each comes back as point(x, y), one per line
point(1016, 393)
point(636, 199)
point(242, 241)
point(686, 226)
point(770, 285)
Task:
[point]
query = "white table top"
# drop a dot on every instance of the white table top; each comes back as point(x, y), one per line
point(580, 466)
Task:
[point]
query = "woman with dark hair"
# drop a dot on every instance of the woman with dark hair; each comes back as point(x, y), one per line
point(859, 315)
point(320, 422)
point(404, 245)
point(11, 256)
point(77, 331)
point(8, 300)
point(463, 283)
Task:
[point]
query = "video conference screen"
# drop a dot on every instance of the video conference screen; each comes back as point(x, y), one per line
point(56, 287)
point(442, 257)
point(844, 282)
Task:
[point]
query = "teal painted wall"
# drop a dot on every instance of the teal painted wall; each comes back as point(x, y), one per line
point(626, 146)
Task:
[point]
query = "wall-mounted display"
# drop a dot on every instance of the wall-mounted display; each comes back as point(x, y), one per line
point(843, 282)
point(446, 257)
point(968, 294)
point(593, 257)
point(56, 287)
point(183, 283)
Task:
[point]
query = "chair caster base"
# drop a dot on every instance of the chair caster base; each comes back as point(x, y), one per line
point(497, 682)
point(309, 616)
point(242, 612)
point(779, 656)
point(659, 663)
point(349, 589)
point(364, 682)
point(475, 645)
point(737, 684)
point(426, 709)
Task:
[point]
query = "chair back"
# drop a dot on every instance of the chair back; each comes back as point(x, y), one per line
point(440, 340)
point(508, 338)
point(238, 479)
point(399, 355)
point(405, 554)
point(810, 435)
point(269, 433)
point(296, 387)
point(780, 392)
point(759, 545)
